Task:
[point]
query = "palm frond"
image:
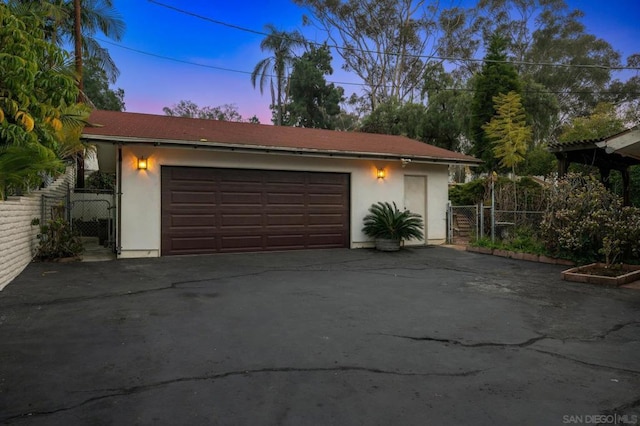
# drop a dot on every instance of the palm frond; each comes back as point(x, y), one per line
point(387, 221)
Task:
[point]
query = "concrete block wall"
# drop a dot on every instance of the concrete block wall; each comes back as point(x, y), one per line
point(18, 238)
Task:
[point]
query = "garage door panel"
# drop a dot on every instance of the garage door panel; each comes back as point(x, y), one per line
point(193, 243)
point(241, 242)
point(193, 220)
point(287, 219)
point(326, 219)
point(324, 240)
point(190, 174)
point(193, 197)
point(326, 199)
point(285, 198)
point(227, 210)
point(244, 220)
point(241, 198)
point(286, 242)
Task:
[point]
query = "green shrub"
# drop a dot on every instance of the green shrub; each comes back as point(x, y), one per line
point(585, 221)
point(523, 240)
point(101, 180)
point(386, 221)
point(467, 194)
point(58, 240)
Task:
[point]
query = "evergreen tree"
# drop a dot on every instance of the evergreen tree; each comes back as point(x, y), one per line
point(508, 130)
point(314, 103)
point(496, 77)
point(96, 88)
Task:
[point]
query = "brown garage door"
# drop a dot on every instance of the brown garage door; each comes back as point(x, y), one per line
point(228, 210)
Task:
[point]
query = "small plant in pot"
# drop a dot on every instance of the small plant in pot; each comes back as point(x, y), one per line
point(389, 226)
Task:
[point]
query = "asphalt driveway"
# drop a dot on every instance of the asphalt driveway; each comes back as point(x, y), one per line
point(337, 337)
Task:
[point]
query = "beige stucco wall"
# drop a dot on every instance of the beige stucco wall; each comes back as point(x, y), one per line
point(141, 208)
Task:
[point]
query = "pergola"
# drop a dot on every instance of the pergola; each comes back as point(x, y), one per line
point(617, 152)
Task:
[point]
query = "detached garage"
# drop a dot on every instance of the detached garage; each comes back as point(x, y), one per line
point(191, 186)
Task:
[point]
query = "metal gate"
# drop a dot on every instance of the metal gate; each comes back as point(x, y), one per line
point(463, 224)
point(93, 215)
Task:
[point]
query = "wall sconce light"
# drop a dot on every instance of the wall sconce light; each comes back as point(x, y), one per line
point(142, 163)
point(381, 174)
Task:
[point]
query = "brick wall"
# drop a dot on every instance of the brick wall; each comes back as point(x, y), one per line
point(18, 238)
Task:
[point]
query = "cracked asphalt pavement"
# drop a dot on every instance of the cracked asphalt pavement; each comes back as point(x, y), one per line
point(425, 336)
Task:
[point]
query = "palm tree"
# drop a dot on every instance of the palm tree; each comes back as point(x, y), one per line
point(282, 45)
point(94, 16)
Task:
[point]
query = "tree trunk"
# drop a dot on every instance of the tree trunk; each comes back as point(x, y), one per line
point(279, 73)
point(77, 41)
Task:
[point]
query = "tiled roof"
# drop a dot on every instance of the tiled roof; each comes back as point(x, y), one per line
point(129, 127)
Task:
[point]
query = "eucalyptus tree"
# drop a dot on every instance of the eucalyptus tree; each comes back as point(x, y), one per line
point(226, 112)
point(603, 121)
point(551, 49)
point(384, 42)
point(448, 111)
point(282, 46)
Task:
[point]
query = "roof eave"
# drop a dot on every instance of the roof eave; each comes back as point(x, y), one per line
point(204, 144)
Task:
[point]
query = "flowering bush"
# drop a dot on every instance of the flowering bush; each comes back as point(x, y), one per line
point(583, 220)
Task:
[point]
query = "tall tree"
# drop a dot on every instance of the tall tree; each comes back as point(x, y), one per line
point(551, 49)
point(226, 112)
point(382, 41)
point(282, 45)
point(314, 103)
point(96, 88)
point(563, 39)
point(508, 130)
point(395, 118)
point(497, 76)
point(602, 122)
point(95, 17)
point(447, 115)
point(37, 98)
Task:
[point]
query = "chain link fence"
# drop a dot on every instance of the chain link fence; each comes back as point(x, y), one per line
point(462, 224)
point(93, 215)
point(55, 207)
point(513, 208)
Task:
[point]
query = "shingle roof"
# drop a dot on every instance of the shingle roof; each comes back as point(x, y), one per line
point(129, 127)
point(585, 143)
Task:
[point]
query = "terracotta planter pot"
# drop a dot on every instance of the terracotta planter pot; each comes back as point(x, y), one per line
point(588, 274)
point(385, 244)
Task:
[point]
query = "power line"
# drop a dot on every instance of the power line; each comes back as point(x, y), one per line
point(346, 83)
point(442, 58)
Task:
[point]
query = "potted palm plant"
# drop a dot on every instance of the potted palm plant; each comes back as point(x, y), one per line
point(389, 226)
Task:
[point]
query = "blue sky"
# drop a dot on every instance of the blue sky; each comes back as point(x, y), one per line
point(150, 83)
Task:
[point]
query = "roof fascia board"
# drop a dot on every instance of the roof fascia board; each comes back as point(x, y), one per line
point(127, 140)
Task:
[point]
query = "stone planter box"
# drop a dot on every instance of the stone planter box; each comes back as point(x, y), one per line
point(582, 274)
point(530, 257)
point(516, 255)
point(483, 250)
point(501, 253)
point(545, 259)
